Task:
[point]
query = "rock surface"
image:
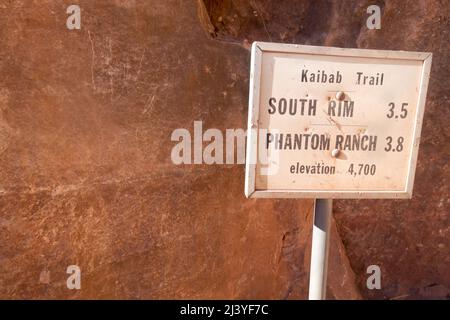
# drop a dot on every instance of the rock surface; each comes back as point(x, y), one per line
point(408, 239)
point(86, 178)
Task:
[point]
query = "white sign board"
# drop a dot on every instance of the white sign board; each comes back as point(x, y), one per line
point(334, 123)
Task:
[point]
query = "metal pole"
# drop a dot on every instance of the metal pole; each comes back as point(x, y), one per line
point(319, 249)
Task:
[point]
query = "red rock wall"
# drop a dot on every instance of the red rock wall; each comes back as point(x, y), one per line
point(408, 239)
point(86, 176)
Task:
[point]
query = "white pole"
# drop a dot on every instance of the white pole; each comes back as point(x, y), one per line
point(319, 249)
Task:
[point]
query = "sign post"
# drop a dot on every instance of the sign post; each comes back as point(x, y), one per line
point(319, 249)
point(328, 123)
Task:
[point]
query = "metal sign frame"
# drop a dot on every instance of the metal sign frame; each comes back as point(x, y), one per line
point(258, 49)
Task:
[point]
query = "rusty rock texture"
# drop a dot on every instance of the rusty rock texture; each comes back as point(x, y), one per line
point(408, 239)
point(86, 178)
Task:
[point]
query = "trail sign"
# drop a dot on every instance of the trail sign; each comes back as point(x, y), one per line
point(334, 123)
